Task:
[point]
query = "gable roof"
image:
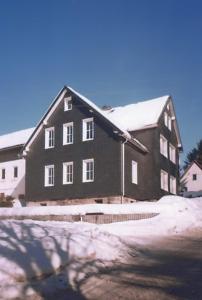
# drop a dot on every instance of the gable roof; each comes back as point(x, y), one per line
point(189, 167)
point(125, 119)
point(14, 139)
point(139, 115)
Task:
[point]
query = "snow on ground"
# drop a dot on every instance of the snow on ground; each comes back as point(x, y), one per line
point(32, 250)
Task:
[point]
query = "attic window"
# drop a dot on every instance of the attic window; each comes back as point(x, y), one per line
point(68, 103)
point(167, 121)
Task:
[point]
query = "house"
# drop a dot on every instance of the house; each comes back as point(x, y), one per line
point(79, 153)
point(191, 180)
point(12, 165)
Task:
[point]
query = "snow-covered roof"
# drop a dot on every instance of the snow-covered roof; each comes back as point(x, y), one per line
point(139, 115)
point(15, 138)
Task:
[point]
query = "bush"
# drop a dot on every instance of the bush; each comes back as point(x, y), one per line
point(6, 201)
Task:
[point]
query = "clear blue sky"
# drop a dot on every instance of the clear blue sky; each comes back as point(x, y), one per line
point(112, 51)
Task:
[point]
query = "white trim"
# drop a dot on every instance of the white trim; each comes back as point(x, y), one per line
point(173, 187)
point(65, 173)
point(49, 140)
point(134, 172)
point(172, 153)
point(85, 131)
point(47, 175)
point(65, 135)
point(67, 104)
point(163, 146)
point(84, 170)
point(164, 180)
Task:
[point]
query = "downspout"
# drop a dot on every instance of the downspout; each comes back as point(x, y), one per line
point(123, 169)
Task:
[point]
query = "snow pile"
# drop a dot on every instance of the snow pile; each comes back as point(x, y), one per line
point(176, 214)
point(15, 138)
point(33, 250)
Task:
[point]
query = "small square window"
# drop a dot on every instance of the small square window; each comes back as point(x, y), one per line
point(194, 177)
point(68, 103)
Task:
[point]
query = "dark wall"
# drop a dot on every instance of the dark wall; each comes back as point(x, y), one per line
point(105, 149)
point(150, 165)
point(10, 154)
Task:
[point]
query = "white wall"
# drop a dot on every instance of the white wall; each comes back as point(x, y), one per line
point(189, 183)
point(13, 186)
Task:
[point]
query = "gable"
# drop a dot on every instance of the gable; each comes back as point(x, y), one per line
point(117, 128)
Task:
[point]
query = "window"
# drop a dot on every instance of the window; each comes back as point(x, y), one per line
point(68, 103)
point(49, 175)
point(68, 133)
point(88, 170)
point(172, 153)
point(164, 180)
point(15, 172)
point(194, 177)
point(172, 185)
point(167, 121)
point(3, 174)
point(163, 146)
point(88, 129)
point(134, 172)
point(68, 172)
point(49, 137)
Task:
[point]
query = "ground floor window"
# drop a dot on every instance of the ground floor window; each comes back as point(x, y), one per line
point(68, 172)
point(15, 172)
point(88, 170)
point(164, 180)
point(172, 184)
point(49, 175)
point(2, 174)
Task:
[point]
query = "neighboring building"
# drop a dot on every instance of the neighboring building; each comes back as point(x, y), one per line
point(191, 180)
point(12, 165)
point(79, 153)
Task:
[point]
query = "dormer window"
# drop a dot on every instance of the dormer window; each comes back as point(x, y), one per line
point(68, 103)
point(49, 137)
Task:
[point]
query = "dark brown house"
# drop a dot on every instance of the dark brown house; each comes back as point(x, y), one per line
point(80, 153)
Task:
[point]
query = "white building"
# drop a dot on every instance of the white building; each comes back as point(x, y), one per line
point(191, 180)
point(12, 165)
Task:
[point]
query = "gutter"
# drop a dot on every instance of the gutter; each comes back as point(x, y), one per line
point(123, 169)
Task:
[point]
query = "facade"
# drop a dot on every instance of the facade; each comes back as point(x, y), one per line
point(12, 165)
point(79, 153)
point(191, 180)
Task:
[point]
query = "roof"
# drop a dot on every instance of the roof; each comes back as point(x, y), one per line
point(127, 118)
point(139, 115)
point(189, 167)
point(16, 138)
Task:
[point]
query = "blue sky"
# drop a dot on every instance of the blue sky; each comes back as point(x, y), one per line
point(114, 52)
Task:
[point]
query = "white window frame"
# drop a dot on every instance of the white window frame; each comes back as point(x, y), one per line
point(48, 176)
point(172, 153)
point(67, 103)
point(49, 137)
point(85, 130)
point(68, 136)
point(163, 146)
point(68, 172)
point(85, 171)
point(14, 168)
point(1, 174)
point(173, 187)
point(134, 171)
point(167, 120)
point(164, 180)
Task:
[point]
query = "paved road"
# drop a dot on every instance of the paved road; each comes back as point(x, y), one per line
point(170, 268)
